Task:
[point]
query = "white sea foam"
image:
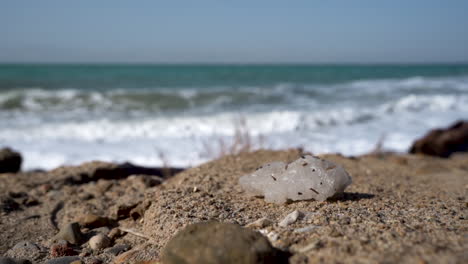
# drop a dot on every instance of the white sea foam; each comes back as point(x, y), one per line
point(70, 126)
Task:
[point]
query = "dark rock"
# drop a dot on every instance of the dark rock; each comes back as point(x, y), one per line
point(70, 233)
point(443, 142)
point(117, 249)
point(63, 260)
point(4, 260)
point(8, 205)
point(214, 242)
point(10, 161)
point(93, 171)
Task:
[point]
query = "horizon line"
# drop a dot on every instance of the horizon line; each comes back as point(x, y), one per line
point(239, 63)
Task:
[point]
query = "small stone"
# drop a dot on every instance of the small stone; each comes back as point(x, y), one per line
point(62, 260)
point(290, 218)
point(8, 205)
point(117, 249)
point(306, 229)
point(26, 250)
point(94, 221)
point(214, 242)
point(71, 233)
point(114, 233)
point(10, 161)
point(260, 223)
point(4, 260)
point(93, 261)
point(26, 245)
point(99, 241)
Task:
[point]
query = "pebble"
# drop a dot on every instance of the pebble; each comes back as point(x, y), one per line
point(71, 233)
point(26, 250)
point(94, 221)
point(63, 260)
point(306, 229)
point(26, 245)
point(215, 242)
point(260, 223)
point(117, 249)
point(4, 260)
point(99, 241)
point(115, 233)
point(290, 218)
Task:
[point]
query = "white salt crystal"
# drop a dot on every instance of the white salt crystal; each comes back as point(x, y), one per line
point(306, 178)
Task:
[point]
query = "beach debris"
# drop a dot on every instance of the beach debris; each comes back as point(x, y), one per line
point(306, 178)
point(260, 223)
point(99, 241)
point(290, 218)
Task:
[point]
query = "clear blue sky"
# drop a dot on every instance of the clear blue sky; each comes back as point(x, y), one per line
point(211, 31)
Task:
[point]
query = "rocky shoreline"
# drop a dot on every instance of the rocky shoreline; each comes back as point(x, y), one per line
point(399, 209)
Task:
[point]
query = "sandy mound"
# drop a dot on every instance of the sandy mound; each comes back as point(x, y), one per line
point(398, 209)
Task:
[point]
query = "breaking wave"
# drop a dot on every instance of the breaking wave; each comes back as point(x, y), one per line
point(68, 126)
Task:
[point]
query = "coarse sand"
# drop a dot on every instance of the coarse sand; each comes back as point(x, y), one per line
point(399, 209)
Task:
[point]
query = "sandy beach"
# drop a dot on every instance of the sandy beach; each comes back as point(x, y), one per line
point(399, 209)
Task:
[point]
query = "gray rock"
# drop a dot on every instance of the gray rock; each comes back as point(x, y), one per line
point(10, 161)
point(214, 242)
point(26, 245)
point(4, 260)
point(117, 249)
point(26, 250)
point(99, 241)
point(71, 233)
point(63, 260)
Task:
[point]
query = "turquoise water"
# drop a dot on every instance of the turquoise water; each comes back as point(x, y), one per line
point(66, 114)
point(168, 76)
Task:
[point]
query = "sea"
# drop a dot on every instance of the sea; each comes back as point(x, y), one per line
point(184, 115)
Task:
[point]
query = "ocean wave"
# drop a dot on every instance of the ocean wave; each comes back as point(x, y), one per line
point(416, 83)
point(226, 98)
point(223, 123)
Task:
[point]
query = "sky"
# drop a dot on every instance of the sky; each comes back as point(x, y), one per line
point(241, 31)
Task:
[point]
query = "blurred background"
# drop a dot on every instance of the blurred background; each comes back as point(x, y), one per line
point(179, 83)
